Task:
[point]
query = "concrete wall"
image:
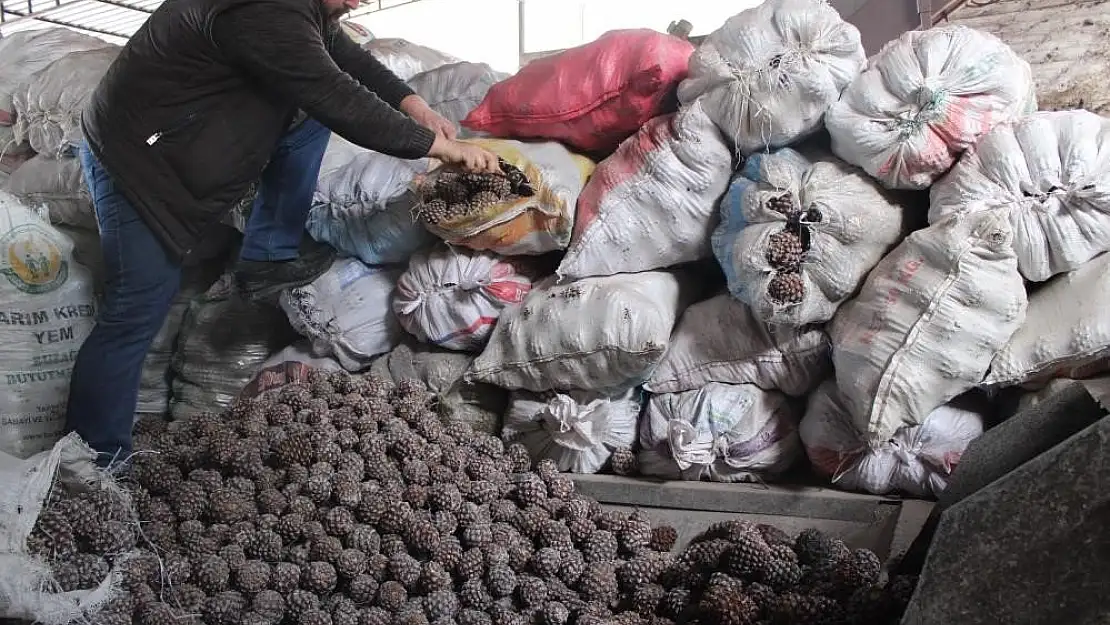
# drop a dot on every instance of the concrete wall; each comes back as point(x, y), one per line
point(1067, 43)
point(879, 21)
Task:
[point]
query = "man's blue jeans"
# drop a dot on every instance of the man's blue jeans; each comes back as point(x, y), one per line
point(141, 280)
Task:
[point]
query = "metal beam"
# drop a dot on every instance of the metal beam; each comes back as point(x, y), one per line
point(376, 6)
point(59, 6)
point(74, 26)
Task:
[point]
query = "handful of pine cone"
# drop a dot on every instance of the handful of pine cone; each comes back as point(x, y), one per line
point(453, 195)
point(788, 248)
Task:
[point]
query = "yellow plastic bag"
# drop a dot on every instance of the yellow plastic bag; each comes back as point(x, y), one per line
point(531, 225)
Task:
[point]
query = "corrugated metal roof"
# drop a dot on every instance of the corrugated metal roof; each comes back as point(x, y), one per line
point(114, 20)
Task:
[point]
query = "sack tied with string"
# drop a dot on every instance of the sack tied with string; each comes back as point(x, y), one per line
point(364, 208)
point(917, 461)
point(453, 297)
point(1053, 170)
point(345, 313)
point(769, 74)
point(721, 433)
point(49, 105)
point(578, 430)
point(924, 99)
point(798, 235)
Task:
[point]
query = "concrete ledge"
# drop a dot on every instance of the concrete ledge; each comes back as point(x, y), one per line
point(758, 499)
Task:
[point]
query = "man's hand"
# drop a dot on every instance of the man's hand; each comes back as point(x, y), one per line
point(466, 155)
point(415, 107)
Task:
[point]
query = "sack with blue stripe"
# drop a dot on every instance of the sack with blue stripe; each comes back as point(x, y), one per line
point(800, 231)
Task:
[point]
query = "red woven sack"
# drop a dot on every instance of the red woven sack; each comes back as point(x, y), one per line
point(591, 97)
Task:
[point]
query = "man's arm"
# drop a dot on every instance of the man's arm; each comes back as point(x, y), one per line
point(280, 48)
point(367, 70)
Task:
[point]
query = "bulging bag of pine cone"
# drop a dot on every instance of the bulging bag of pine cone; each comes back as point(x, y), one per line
point(58, 185)
point(47, 310)
point(798, 235)
point(452, 297)
point(1053, 170)
point(405, 58)
point(455, 90)
point(222, 343)
point(1066, 333)
point(769, 74)
point(721, 340)
point(67, 531)
point(363, 208)
point(578, 430)
point(590, 97)
point(917, 461)
point(928, 321)
point(924, 99)
point(346, 313)
point(653, 203)
point(594, 334)
point(720, 433)
point(527, 210)
point(456, 400)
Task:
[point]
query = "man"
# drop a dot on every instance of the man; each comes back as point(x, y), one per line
point(199, 105)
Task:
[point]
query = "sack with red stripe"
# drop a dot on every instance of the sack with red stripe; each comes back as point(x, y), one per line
point(652, 204)
point(452, 297)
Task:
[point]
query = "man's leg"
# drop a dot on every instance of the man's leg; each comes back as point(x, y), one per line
point(140, 282)
point(276, 252)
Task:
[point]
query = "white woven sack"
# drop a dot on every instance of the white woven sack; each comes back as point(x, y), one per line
point(23, 54)
point(652, 204)
point(848, 222)
point(453, 297)
point(1066, 333)
point(49, 105)
point(769, 74)
point(721, 432)
point(345, 312)
point(338, 153)
point(456, 89)
point(927, 322)
point(720, 340)
point(578, 430)
point(1053, 170)
point(406, 59)
point(924, 99)
point(47, 310)
point(594, 334)
point(364, 208)
point(57, 185)
point(27, 585)
point(916, 461)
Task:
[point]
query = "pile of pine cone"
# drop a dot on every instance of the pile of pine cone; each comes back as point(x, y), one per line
point(451, 195)
point(347, 501)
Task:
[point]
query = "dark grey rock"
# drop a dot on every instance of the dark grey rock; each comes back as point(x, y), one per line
point(1032, 547)
point(1005, 448)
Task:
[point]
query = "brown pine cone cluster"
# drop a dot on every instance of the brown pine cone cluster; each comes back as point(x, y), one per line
point(454, 195)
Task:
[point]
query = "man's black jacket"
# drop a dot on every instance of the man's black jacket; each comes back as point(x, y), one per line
point(190, 112)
